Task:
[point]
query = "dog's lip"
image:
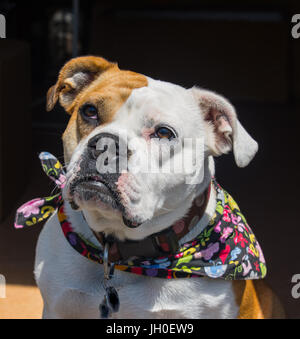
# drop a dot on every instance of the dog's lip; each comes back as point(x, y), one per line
point(95, 182)
point(130, 223)
point(90, 180)
point(97, 185)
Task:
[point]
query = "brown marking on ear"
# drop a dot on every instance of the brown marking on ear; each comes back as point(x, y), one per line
point(256, 300)
point(52, 97)
point(220, 117)
point(76, 74)
point(224, 132)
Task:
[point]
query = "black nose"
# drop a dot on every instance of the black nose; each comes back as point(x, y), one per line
point(103, 142)
point(109, 151)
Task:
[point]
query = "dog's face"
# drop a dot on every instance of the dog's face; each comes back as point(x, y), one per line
point(133, 144)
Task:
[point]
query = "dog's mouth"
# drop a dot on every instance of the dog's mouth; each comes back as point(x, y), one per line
point(94, 188)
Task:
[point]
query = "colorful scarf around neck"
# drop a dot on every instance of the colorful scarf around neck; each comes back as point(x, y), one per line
point(226, 248)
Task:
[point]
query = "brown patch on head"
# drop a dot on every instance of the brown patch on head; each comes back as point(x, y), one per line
point(95, 81)
point(107, 93)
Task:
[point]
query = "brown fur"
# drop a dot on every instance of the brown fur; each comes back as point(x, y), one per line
point(105, 86)
point(256, 300)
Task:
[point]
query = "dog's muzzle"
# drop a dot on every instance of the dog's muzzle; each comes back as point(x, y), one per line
point(101, 165)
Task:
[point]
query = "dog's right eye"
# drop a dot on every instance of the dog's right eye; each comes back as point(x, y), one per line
point(163, 132)
point(89, 113)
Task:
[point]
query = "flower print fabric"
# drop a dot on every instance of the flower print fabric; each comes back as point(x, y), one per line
point(53, 168)
point(40, 209)
point(226, 248)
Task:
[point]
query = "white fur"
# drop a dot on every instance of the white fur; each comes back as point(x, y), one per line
point(71, 284)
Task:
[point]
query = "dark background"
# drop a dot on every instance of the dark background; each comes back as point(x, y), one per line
point(244, 52)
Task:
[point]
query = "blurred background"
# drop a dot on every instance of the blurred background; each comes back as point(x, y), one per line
point(245, 52)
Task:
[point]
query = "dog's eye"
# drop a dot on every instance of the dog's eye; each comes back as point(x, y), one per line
point(89, 112)
point(164, 133)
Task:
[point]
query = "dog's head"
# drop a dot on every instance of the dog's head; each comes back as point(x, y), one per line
point(133, 145)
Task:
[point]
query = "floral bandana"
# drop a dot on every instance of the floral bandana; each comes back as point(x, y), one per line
point(226, 248)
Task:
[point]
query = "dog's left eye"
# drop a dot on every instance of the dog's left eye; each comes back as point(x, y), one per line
point(89, 112)
point(164, 133)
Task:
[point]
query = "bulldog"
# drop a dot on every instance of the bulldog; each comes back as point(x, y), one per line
point(125, 117)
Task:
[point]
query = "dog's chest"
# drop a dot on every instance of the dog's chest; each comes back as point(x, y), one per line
point(176, 298)
point(71, 287)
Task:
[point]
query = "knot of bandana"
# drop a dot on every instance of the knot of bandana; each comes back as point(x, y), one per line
point(226, 248)
point(40, 209)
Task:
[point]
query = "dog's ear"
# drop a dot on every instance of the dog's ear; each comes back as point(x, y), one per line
point(224, 131)
point(76, 75)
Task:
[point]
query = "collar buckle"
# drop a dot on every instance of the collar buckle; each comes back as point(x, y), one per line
point(109, 268)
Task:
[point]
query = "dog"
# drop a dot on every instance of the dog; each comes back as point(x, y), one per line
point(131, 206)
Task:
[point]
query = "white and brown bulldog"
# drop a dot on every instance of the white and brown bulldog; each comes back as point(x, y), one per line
point(132, 206)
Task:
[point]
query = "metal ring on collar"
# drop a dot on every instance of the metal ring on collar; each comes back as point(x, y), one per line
point(105, 261)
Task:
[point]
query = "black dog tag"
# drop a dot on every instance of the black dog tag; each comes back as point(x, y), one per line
point(110, 302)
point(104, 309)
point(112, 299)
